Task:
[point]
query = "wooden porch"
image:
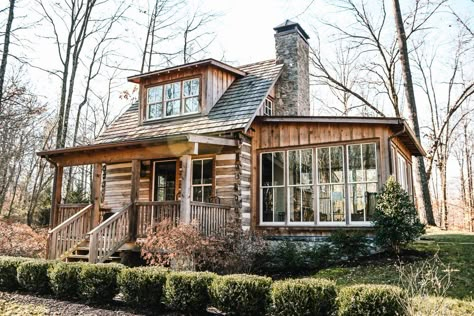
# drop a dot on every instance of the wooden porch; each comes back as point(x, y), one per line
point(129, 223)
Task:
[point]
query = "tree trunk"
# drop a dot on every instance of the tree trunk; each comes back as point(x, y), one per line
point(6, 45)
point(421, 181)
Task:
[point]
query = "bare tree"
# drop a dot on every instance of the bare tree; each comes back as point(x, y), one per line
point(6, 46)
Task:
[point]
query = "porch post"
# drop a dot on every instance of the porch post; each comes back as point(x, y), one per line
point(96, 184)
point(56, 196)
point(134, 194)
point(185, 213)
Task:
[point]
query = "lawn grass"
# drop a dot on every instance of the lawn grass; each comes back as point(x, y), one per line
point(454, 249)
point(13, 308)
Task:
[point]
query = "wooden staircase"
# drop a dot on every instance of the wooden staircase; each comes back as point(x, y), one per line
point(81, 254)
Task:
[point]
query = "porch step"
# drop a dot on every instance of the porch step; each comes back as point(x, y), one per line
point(81, 254)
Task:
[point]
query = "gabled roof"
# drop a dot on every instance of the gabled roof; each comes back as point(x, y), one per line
point(204, 62)
point(234, 110)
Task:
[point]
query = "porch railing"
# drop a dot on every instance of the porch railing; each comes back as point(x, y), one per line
point(149, 214)
point(109, 236)
point(67, 210)
point(69, 234)
point(210, 218)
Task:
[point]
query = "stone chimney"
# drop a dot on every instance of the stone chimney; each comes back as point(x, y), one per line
point(292, 88)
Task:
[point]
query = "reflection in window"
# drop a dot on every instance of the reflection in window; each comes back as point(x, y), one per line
point(300, 190)
point(202, 180)
point(331, 184)
point(272, 187)
point(363, 179)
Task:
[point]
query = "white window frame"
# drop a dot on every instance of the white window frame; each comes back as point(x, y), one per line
point(202, 185)
point(268, 107)
point(262, 187)
point(182, 100)
point(350, 182)
point(343, 184)
point(291, 186)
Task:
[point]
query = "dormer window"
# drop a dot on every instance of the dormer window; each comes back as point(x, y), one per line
point(173, 99)
point(268, 107)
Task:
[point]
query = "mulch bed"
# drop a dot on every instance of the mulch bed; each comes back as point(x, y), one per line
point(58, 307)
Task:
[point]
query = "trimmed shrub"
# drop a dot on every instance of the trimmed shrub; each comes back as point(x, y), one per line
point(241, 294)
point(368, 300)
point(63, 279)
point(188, 292)
point(396, 221)
point(304, 297)
point(33, 275)
point(142, 286)
point(8, 272)
point(98, 282)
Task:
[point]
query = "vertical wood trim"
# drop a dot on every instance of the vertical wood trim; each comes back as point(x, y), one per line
point(134, 193)
point(57, 191)
point(185, 216)
point(96, 185)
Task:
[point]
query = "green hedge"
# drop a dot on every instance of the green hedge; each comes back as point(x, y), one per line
point(98, 282)
point(241, 294)
point(63, 279)
point(33, 275)
point(188, 292)
point(8, 272)
point(368, 300)
point(304, 297)
point(142, 286)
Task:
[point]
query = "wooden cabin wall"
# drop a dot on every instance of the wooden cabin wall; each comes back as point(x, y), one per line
point(218, 81)
point(225, 172)
point(118, 184)
point(244, 164)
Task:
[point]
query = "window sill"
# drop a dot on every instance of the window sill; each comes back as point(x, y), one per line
point(318, 226)
point(171, 118)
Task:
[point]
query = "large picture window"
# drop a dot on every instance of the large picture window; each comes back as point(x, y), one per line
point(324, 185)
point(202, 180)
point(173, 99)
point(272, 187)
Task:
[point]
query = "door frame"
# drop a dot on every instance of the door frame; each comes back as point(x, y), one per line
point(176, 181)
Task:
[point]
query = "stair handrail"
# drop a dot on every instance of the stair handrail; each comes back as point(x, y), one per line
point(59, 244)
point(109, 236)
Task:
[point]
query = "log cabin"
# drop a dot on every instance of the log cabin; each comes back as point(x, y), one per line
point(212, 143)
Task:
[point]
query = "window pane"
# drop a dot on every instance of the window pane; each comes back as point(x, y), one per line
point(191, 105)
point(337, 171)
point(295, 204)
point(357, 201)
point(323, 165)
point(278, 168)
point(280, 208)
point(294, 167)
point(173, 91)
point(355, 167)
point(338, 203)
point(207, 171)
point(267, 169)
point(324, 203)
point(370, 200)
point(197, 194)
point(191, 87)
point(173, 107)
point(307, 197)
point(370, 165)
point(197, 171)
point(307, 166)
point(207, 193)
point(154, 110)
point(267, 205)
point(155, 94)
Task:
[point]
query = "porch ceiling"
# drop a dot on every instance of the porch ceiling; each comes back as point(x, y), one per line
point(164, 147)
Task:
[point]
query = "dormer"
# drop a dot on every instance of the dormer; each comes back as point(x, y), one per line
point(183, 91)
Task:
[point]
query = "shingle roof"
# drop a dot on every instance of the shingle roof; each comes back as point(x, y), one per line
point(234, 110)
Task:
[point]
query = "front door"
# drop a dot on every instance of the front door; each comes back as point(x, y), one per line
point(164, 188)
